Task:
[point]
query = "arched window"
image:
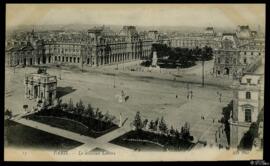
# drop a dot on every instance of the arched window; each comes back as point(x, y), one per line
point(248, 95)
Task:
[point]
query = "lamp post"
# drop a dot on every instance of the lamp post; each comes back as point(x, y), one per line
point(202, 72)
point(203, 54)
point(114, 81)
point(82, 65)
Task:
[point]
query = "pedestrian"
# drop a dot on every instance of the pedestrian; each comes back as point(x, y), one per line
point(176, 96)
point(213, 120)
point(188, 96)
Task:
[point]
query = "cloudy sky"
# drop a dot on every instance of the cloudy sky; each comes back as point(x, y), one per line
point(139, 14)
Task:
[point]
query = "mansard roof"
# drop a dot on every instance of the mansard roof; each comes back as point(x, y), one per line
point(243, 27)
point(27, 47)
point(209, 28)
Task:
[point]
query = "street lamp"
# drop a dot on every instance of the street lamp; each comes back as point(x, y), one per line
point(82, 65)
point(202, 55)
point(114, 81)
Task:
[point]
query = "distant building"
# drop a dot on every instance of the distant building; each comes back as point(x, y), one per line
point(105, 47)
point(209, 31)
point(25, 52)
point(154, 59)
point(247, 103)
point(227, 58)
point(233, 57)
point(41, 86)
point(97, 47)
point(208, 38)
point(243, 32)
point(101, 46)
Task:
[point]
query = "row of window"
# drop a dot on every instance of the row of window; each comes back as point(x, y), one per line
point(63, 50)
point(67, 59)
point(227, 60)
point(62, 47)
point(251, 53)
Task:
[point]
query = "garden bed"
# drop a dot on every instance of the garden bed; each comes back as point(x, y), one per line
point(21, 136)
point(148, 141)
point(72, 122)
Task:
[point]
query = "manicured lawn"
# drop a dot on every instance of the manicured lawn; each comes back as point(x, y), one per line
point(139, 146)
point(61, 123)
point(75, 123)
point(167, 142)
point(20, 136)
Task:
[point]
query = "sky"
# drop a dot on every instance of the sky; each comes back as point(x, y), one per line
point(198, 15)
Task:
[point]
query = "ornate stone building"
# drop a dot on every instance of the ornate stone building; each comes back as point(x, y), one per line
point(99, 46)
point(29, 51)
point(105, 47)
point(41, 86)
point(233, 57)
point(247, 103)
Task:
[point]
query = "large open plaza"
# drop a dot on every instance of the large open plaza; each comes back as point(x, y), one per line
point(154, 94)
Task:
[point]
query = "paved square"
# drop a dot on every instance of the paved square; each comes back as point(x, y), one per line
point(153, 97)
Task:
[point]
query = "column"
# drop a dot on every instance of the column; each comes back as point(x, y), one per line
point(26, 90)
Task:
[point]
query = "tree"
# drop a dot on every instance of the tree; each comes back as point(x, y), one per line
point(59, 102)
point(172, 131)
point(226, 112)
point(8, 113)
point(96, 113)
point(99, 115)
point(25, 107)
point(90, 111)
point(151, 125)
point(106, 116)
point(185, 131)
point(156, 124)
point(111, 118)
point(80, 107)
point(145, 123)
point(70, 106)
point(137, 121)
point(208, 53)
point(177, 134)
point(162, 126)
point(248, 138)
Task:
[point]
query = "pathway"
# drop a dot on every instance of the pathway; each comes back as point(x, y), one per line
point(89, 143)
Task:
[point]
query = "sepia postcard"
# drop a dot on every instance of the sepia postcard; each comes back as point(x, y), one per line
point(134, 82)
